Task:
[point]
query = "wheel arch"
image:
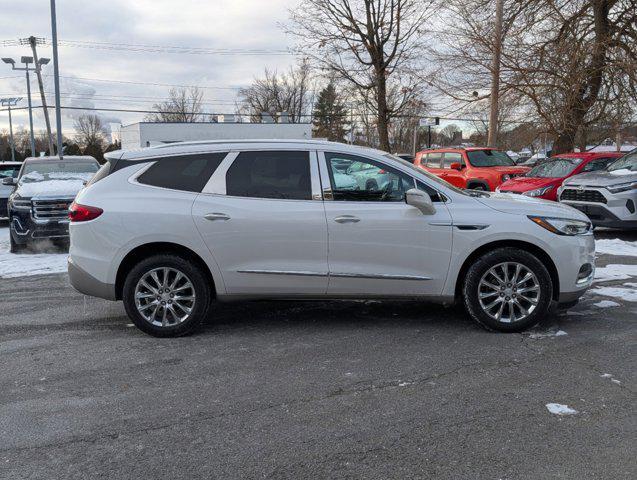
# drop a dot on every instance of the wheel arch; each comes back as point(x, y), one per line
point(475, 182)
point(154, 248)
point(520, 244)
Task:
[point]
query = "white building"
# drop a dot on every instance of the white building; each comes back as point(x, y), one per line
point(148, 134)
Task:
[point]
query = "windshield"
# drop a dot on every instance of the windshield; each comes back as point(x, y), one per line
point(555, 168)
point(58, 170)
point(628, 162)
point(489, 158)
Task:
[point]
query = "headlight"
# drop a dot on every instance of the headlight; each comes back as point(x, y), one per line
point(506, 177)
point(20, 203)
point(563, 226)
point(538, 192)
point(621, 187)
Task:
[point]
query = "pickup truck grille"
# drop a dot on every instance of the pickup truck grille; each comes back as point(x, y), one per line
point(51, 209)
point(592, 196)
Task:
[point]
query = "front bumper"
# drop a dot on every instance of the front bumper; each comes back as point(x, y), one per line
point(29, 224)
point(614, 210)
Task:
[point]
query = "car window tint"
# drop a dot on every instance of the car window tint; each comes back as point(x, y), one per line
point(185, 172)
point(433, 160)
point(599, 164)
point(270, 174)
point(8, 171)
point(362, 179)
point(450, 158)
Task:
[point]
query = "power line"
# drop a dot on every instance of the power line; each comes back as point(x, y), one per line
point(154, 84)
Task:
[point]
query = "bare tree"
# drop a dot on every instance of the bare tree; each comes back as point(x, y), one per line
point(275, 93)
point(89, 131)
point(183, 105)
point(573, 63)
point(372, 44)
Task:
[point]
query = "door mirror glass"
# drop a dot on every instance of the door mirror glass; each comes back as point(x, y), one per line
point(421, 200)
point(9, 181)
point(456, 166)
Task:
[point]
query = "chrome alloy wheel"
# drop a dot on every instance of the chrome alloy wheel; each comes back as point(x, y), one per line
point(509, 292)
point(164, 297)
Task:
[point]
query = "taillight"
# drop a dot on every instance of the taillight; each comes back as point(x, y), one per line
point(83, 213)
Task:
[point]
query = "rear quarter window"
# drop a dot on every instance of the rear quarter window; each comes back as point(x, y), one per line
point(188, 173)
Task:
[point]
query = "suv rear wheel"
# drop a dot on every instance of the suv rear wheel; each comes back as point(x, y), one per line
point(166, 295)
point(508, 290)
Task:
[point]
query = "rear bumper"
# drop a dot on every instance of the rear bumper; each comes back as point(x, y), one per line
point(85, 283)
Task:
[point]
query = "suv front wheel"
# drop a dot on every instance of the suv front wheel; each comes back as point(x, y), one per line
point(166, 295)
point(508, 290)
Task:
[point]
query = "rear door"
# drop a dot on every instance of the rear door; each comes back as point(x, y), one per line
point(262, 217)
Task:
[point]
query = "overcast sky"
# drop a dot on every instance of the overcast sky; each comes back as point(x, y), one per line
point(209, 24)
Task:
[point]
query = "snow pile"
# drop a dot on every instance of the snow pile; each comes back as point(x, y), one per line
point(19, 265)
point(559, 409)
point(615, 246)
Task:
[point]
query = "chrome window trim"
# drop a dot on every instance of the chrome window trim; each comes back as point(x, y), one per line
point(303, 273)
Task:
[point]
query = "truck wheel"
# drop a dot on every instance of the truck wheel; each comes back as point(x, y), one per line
point(166, 295)
point(507, 290)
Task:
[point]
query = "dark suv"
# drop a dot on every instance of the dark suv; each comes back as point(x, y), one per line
point(43, 191)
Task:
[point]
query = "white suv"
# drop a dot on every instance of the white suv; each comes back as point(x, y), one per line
point(172, 229)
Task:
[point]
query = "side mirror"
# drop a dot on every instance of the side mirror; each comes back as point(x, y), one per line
point(456, 166)
point(421, 200)
point(9, 181)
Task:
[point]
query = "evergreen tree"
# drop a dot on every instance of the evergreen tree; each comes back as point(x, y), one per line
point(330, 115)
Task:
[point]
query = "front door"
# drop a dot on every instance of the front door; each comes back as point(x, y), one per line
point(263, 220)
point(378, 244)
point(454, 177)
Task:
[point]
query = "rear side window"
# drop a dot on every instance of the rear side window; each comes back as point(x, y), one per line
point(270, 174)
point(433, 160)
point(187, 172)
point(100, 174)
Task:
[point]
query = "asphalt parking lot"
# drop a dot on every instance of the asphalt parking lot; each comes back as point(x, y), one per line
point(317, 389)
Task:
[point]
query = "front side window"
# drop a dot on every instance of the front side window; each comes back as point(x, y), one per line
point(450, 158)
point(189, 173)
point(599, 164)
point(365, 179)
point(270, 174)
point(489, 158)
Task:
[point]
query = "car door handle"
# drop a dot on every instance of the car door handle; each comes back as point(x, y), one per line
point(347, 219)
point(216, 216)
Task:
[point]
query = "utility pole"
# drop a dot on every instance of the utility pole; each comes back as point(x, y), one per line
point(26, 61)
point(9, 102)
point(495, 72)
point(33, 41)
point(56, 78)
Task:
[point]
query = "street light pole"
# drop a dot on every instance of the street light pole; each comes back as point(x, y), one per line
point(39, 62)
point(56, 77)
point(26, 61)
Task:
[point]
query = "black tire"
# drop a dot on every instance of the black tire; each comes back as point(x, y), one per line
point(15, 247)
point(478, 186)
point(470, 289)
point(202, 288)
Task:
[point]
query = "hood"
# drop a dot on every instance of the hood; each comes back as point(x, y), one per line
point(515, 170)
point(524, 184)
point(523, 205)
point(602, 178)
point(50, 188)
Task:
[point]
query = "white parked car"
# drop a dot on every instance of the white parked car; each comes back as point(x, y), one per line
point(171, 230)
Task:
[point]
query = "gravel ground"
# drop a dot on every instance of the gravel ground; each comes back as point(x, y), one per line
point(314, 390)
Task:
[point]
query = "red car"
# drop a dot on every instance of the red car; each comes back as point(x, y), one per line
point(544, 179)
point(473, 168)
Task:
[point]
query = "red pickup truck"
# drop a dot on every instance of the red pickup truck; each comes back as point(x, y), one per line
point(474, 168)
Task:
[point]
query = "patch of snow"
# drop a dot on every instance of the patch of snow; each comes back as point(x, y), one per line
point(69, 187)
point(615, 272)
point(606, 375)
point(615, 246)
point(614, 380)
point(20, 265)
point(626, 294)
point(404, 384)
point(559, 409)
point(622, 172)
point(607, 304)
point(549, 334)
